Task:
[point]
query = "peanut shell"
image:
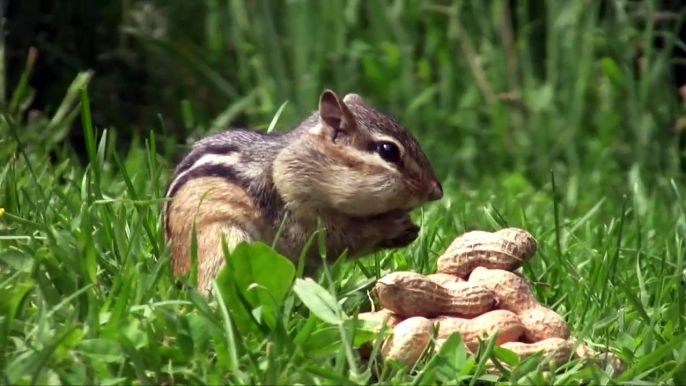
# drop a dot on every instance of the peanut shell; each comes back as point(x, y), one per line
point(409, 339)
point(506, 249)
point(444, 279)
point(559, 350)
point(583, 351)
point(380, 317)
point(412, 294)
point(483, 326)
point(512, 293)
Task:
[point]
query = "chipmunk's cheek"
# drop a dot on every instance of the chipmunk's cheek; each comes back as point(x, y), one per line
point(415, 195)
point(412, 203)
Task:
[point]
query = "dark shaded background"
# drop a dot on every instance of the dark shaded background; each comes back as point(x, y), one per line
point(138, 84)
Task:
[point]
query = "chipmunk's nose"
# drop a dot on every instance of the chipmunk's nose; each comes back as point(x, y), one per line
point(437, 192)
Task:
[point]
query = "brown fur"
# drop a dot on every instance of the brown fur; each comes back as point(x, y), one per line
point(215, 207)
point(323, 169)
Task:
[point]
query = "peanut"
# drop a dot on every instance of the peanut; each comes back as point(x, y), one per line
point(409, 339)
point(475, 293)
point(559, 350)
point(524, 239)
point(444, 279)
point(583, 351)
point(382, 316)
point(412, 294)
point(613, 360)
point(506, 249)
point(512, 293)
point(505, 322)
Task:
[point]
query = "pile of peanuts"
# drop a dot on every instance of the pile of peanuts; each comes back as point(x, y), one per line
point(474, 293)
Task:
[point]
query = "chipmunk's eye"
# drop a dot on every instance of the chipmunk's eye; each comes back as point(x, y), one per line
point(388, 151)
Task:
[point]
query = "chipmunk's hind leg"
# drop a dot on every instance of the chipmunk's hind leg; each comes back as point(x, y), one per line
point(210, 247)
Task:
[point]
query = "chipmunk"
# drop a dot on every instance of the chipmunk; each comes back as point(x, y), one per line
point(347, 164)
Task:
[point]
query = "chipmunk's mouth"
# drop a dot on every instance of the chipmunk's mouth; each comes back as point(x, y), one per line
point(396, 213)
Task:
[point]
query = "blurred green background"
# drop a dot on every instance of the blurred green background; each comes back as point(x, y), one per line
point(488, 87)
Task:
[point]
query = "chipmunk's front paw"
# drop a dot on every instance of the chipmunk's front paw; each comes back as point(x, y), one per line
point(406, 233)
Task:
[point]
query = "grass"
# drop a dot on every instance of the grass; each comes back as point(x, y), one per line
point(581, 157)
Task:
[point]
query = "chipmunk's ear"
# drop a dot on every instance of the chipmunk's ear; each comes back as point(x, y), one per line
point(354, 99)
point(334, 113)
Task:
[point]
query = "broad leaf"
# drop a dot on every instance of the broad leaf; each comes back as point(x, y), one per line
point(258, 278)
point(319, 301)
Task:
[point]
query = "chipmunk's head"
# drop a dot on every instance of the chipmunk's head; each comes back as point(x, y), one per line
point(356, 160)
